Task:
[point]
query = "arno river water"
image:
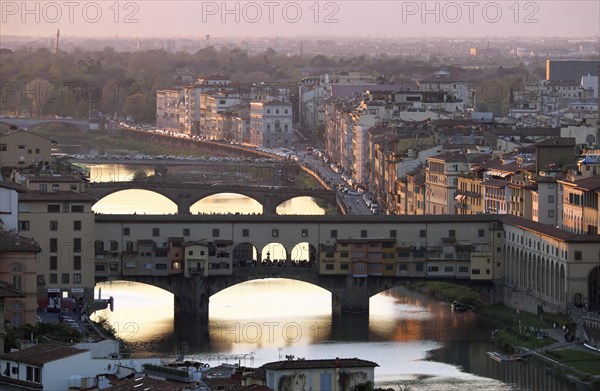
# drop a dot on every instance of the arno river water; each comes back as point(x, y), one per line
point(417, 341)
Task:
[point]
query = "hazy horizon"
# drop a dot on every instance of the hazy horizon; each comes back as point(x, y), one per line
point(289, 19)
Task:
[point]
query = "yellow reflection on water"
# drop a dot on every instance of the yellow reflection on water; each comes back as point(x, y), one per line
point(225, 203)
point(135, 201)
point(140, 311)
point(300, 206)
point(116, 172)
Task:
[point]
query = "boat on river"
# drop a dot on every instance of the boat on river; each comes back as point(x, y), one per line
point(504, 358)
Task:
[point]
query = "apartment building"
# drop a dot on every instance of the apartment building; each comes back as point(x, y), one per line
point(580, 204)
point(441, 179)
point(545, 200)
point(18, 269)
point(57, 213)
point(271, 124)
point(168, 109)
point(20, 148)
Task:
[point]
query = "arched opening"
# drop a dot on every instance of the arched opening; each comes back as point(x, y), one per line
point(577, 300)
point(274, 254)
point(135, 305)
point(227, 203)
point(245, 255)
point(594, 289)
point(130, 202)
point(304, 206)
point(304, 255)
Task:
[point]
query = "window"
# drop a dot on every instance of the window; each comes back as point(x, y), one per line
point(550, 199)
point(77, 208)
point(452, 233)
point(419, 267)
point(114, 245)
point(476, 271)
point(53, 208)
point(578, 256)
point(186, 232)
point(422, 233)
point(275, 233)
point(481, 233)
point(216, 233)
point(363, 233)
point(53, 262)
point(17, 282)
point(24, 225)
point(344, 266)
point(393, 233)
point(160, 266)
point(43, 188)
point(64, 278)
point(463, 269)
point(551, 213)
point(55, 188)
point(3, 148)
point(550, 185)
point(126, 231)
point(334, 233)
point(403, 267)
point(344, 254)
point(449, 269)
point(245, 232)
point(304, 233)
point(77, 245)
point(329, 266)
point(76, 262)
point(53, 278)
point(77, 225)
point(155, 232)
point(77, 278)
point(53, 245)
point(53, 225)
point(433, 269)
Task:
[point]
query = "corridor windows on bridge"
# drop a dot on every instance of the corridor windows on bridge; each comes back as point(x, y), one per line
point(363, 233)
point(334, 234)
point(452, 233)
point(304, 233)
point(126, 231)
point(578, 256)
point(155, 232)
point(186, 232)
point(481, 233)
point(275, 233)
point(422, 233)
point(245, 232)
point(393, 233)
point(216, 233)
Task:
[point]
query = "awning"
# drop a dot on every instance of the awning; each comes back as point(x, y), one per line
point(501, 174)
point(460, 197)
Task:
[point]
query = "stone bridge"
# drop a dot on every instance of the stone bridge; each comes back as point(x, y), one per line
point(81, 124)
point(184, 195)
point(348, 294)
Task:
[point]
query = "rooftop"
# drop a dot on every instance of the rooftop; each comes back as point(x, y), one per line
point(34, 195)
point(10, 242)
point(41, 354)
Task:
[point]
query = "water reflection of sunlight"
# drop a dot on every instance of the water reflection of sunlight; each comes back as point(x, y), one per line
point(135, 201)
point(300, 206)
point(225, 203)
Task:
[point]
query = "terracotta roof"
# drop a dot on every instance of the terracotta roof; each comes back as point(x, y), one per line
point(495, 183)
point(310, 364)
point(557, 142)
point(7, 291)
point(13, 186)
point(15, 243)
point(43, 353)
point(27, 385)
point(526, 131)
point(35, 195)
point(224, 383)
point(589, 184)
point(145, 383)
point(548, 230)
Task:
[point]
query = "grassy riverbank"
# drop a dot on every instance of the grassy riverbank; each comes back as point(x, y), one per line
point(446, 291)
point(587, 362)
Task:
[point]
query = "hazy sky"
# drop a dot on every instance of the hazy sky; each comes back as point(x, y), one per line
point(467, 18)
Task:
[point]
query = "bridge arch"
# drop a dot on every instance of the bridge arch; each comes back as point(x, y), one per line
point(158, 202)
point(298, 204)
point(253, 205)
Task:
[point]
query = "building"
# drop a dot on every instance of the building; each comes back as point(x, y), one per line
point(9, 205)
point(580, 204)
point(57, 213)
point(570, 69)
point(554, 153)
point(271, 124)
point(20, 148)
point(339, 374)
point(359, 257)
point(18, 269)
point(545, 200)
point(7, 291)
point(168, 110)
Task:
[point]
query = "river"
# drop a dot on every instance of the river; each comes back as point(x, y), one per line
point(417, 341)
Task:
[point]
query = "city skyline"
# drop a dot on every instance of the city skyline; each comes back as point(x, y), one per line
point(378, 19)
